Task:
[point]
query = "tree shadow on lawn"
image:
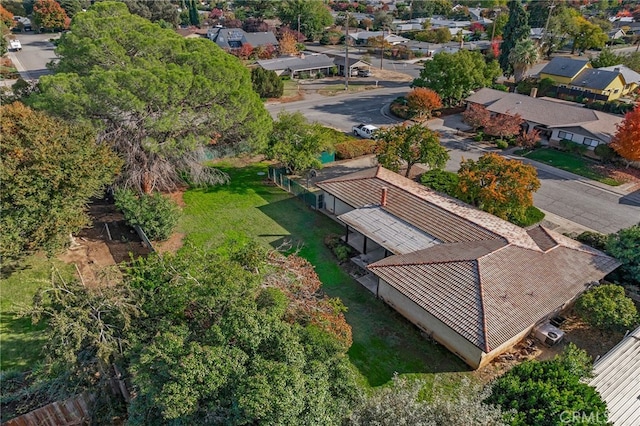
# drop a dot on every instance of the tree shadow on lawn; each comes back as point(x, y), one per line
point(21, 341)
point(248, 179)
point(384, 342)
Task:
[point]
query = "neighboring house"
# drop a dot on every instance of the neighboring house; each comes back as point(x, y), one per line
point(556, 120)
point(563, 70)
point(615, 34)
point(295, 66)
point(438, 23)
point(362, 37)
point(235, 38)
point(630, 77)
point(577, 78)
point(595, 84)
point(354, 65)
point(537, 34)
point(192, 32)
point(473, 282)
point(616, 380)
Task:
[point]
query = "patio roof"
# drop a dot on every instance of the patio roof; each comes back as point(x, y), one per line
point(392, 233)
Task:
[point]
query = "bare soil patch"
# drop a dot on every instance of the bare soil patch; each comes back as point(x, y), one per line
point(109, 241)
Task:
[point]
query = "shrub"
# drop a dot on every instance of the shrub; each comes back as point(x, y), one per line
point(340, 249)
point(400, 109)
point(537, 392)
point(502, 144)
point(441, 181)
point(531, 216)
point(593, 239)
point(525, 86)
point(266, 83)
point(155, 214)
point(354, 148)
point(605, 152)
point(500, 87)
point(479, 137)
point(607, 307)
point(572, 147)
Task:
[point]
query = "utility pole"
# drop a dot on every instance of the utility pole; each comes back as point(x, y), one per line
point(298, 36)
point(495, 21)
point(546, 26)
point(381, 47)
point(347, 68)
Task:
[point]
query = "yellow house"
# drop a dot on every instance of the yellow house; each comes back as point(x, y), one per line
point(563, 70)
point(609, 85)
point(631, 78)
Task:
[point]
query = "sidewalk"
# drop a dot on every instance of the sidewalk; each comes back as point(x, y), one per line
point(623, 190)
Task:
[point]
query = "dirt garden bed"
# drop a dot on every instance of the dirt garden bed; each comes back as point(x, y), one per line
point(108, 242)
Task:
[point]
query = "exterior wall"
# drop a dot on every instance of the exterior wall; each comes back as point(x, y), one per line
point(487, 358)
point(335, 206)
point(575, 137)
point(629, 88)
point(615, 89)
point(557, 78)
point(439, 331)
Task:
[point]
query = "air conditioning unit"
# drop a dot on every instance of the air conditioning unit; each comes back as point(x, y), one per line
point(548, 334)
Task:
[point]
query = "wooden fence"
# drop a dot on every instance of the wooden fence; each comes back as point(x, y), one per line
point(73, 411)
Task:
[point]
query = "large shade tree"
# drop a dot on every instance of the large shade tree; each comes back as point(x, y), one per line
point(409, 145)
point(49, 171)
point(48, 15)
point(158, 99)
point(454, 75)
point(236, 337)
point(314, 16)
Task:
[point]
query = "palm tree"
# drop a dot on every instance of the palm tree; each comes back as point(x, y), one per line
point(522, 57)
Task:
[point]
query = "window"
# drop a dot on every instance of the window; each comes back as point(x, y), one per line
point(565, 135)
point(616, 90)
point(591, 142)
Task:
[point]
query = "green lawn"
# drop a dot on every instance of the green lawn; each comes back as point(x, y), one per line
point(20, 341)
point(571, 163)
point(290, 88)
point(383, 341)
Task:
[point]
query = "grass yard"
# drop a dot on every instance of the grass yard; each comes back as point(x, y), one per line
point(383, 342)
point(571, 163)
point(20, 341)
point(290, 88)
point(354, 87)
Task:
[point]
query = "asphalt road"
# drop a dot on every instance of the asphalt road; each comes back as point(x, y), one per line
point(578, 202)
point(37, 51)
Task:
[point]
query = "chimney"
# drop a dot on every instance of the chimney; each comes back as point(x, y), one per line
point(383, 197)
point(616, 69)
point(534, 92)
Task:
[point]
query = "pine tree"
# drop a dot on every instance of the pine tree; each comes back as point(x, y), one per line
point(194, 16)
point(517, 29)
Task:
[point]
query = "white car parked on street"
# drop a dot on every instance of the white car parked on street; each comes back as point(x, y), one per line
point(366, 131)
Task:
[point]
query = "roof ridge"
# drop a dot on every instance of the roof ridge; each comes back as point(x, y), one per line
point(483, 315)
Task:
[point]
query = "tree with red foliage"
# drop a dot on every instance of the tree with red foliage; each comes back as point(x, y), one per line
point(529, 139)
point(495, 47)
point(504, 125)
point(476, 115)
point(245, 51)
point(48, 15)
point(626, 141)
point(423, 101)
point(476, 28)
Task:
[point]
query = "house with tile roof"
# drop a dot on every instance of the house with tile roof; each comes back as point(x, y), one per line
point(473, 282)
point(555, 119)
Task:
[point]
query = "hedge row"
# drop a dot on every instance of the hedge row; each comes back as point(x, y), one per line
point(354, 148)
